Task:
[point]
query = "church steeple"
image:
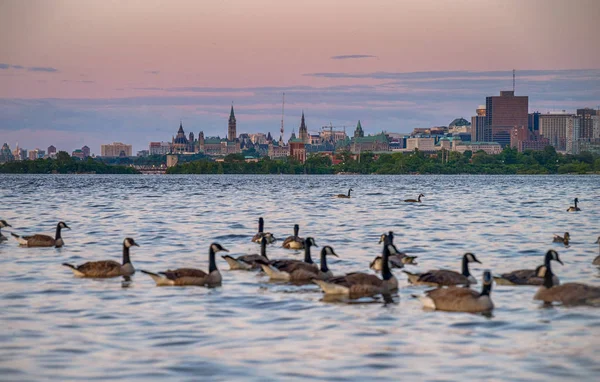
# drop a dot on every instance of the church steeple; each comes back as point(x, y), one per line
point(303, 132)
point(232, 128)
point(359, 131)
point(231, 115)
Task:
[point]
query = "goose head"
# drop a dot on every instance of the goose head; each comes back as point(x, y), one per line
point(598, 240)
point(487, 282)
point(296, 229)
point(310, 242)
point(328, 251)
point(470, 258)
point(421, 196)
point(216, 247)
point(576, 200)
point(552, 255)
point(63, 225)
point(4, 224)
point(382, 238)
point(129, 242)
point(567, 236)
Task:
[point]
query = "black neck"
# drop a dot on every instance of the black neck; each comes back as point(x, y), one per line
point(324, 268)
point(307, 257)
point(465, 267)
point(419, 198)
point(261, 226)
point(126, 259)
point(349, 192)
point(296, 230)
point(575, 203)
point(385, 267)
point(57, 236)
point(212, 265)
point(391, 237)
point(263, 248)
point(548, 275)
point(486, 289)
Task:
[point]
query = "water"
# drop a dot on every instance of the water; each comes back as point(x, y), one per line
point(57, 327)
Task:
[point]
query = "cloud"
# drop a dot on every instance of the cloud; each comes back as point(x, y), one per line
point(152, 72)
point(4, 66)
point(352, 56)
point(42, 69)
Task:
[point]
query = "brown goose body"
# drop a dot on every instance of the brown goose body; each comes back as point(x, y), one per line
point(294, 241)
point(295, 270)
point(191, 276)
point(444, 277)
point(344, 196)
point(566, 294)
point(458, 299)
point(562, 239)
point(524, 277)
point(248, 262)
point(418, 200)
point(574, 208)
point(397, 259)
point(40, 240)
point(106, 268)
point(257, 238)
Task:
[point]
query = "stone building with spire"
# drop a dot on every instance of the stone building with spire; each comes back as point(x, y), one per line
point(232, 127)
point(180, 144)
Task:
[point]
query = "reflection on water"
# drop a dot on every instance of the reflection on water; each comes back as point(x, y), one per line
point(58, 327)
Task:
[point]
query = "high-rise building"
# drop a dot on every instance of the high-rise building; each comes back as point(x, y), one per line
point(51, 151)
point(303, 132)
point(86, 151)
point(232, 126)
point(478, 129)
point(5, 154)
point(587, 124)
point(159, 148)
point(115, 149)
point(553, 126)
point(596, 126)
point(503, 113)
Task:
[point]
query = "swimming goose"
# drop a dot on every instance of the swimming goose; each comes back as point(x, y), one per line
point(567, 294)
point(397, 259)
point(356, 285)
point(444, 277)
point(597, 259)
point(247, 262)
point(191, 276)
point(294, 242)
point(418, 200)
point(562, 239)
point(42, 240)
point(574, 208)
point(260, 234)
point(308, 261)
point(344, 196)
point(459, 299)
point(301, 271)
point(3, 224)
point(106, 268)
point(524, 277)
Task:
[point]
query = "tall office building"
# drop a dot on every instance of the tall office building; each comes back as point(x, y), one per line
point(503, 113)
point(115, 149)
point(534, 122)
point(554, 126)
point(587, 124)
point(478, 129)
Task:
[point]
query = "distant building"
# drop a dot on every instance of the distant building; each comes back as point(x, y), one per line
point(278, 149)
point(86, 151)
point(492, 148)
point(422, 144)
point(297, 150)
point(303, 131)
point(19, 153)
point(533, 122)
point(51, 151)
point(459, 125)
point(329, 134)
point(478, 129)
point(523, 139)
point(258, 138)
point(78, 154)
point(587, 124)
point(143, 153)
point(159, 148)
point(503, 113)
point(5, 154)
point(232, 126)
point(553, 126)
point(596, 126)
point(180, 143)
point(36, 154)
point(115, 149)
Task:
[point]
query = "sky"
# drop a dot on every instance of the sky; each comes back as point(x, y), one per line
point(76, 73)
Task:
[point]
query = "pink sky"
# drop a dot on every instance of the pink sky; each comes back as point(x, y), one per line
point(110, 49)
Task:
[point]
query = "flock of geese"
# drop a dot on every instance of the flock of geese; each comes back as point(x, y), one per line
point(451, 291)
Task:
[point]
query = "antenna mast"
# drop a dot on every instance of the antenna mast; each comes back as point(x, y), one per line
point(282, 108)
point(513, 81)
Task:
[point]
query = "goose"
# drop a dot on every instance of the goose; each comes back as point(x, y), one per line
point(524, 277)
point(397, 259)
point(574, 208)
point(562, 239)
point(418, 200)
point(106, 268)
point(458, 299)
point(356, 285)
point(294, 242)
point(247, 262)
point(597, 259)
point(344, 196)
point(42, 240)
point(260, 234)
point(567, 294)
point(307, 262)
point(3, 224)
point(301, 271)
point(191, 276)
point(444, 277)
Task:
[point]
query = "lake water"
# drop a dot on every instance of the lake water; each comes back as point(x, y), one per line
point(54, 326)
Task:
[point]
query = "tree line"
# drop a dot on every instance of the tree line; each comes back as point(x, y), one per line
point(64, 164)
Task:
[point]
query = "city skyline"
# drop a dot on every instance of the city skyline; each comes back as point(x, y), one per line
point(395, 66)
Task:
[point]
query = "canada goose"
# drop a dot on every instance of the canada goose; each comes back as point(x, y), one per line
point(397, 259)
point(597, 259)
point(247, 262)
point(458, 299)
point(301, 271)
point(444, 277)
point(344, 196)
point(3, 224)
point(356, 285)
point(294, 242)
point(524, 277)
point(562, 239)
point(567, 294)
point(191, 276)
point(418, 200)
point(106, 268)
point(260, 234)
point(308, 261)
point(43, 240)
point(574, 208)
